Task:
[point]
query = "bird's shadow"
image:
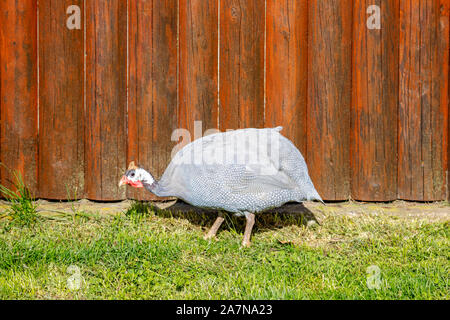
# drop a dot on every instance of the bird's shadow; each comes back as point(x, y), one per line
point(286, 215)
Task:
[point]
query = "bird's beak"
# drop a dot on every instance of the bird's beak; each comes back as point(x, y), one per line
point(123, 181)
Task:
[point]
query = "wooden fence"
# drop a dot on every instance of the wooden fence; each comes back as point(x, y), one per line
point(368, 107)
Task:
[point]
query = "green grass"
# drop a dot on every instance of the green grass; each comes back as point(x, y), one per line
point(22, 210)
point(142, 255)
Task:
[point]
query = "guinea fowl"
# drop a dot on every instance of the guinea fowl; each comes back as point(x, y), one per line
point(244, 171)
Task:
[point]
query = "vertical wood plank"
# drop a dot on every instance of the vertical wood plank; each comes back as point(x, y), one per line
point(374, 107)
point(165, 69)
point(106, 72)
point(140, 96)
point(287, 68)
point(241, 64)
point(329, 96)
point(423, 110)
point(61, 107)
point(18, 90)
point(442, 69)
point(152, 106)
point(444, 53)
point(410, 172)
point(198, 64)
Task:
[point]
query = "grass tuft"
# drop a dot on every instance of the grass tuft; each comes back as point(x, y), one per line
point(22, 210)
point(138, 208)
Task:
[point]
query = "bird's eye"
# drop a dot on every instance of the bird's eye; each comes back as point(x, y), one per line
point(132, 174)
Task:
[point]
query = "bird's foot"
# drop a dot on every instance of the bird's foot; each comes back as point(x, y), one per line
point(213, 231)
point(248, 229)
point(246, 244)
point(209, 236)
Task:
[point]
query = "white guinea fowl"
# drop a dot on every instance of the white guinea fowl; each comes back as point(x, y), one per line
point(244, 171)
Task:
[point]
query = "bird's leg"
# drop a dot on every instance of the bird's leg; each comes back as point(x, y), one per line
point(212, 232)
point(248, 228)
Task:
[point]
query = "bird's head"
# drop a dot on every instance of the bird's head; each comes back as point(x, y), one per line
point(136, 177)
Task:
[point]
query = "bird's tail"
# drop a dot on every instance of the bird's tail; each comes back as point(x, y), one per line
point(314, 195)
point(278, 129)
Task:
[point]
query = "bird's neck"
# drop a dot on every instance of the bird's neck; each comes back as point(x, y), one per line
point(152, 187)
point(150, 183)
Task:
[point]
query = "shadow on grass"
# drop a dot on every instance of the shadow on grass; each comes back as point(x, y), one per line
point(287, 215)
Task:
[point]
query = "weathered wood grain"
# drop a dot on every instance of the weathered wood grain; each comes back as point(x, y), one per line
point(287, 68)
point(444, 73)
point(198, 65)
point(443, 70)
point(329, 96)
point(241, 64)
point(375, 102)
point(152, 98)
point(372, 122)
point(106, 91)
point(61, 102)
point(18, 91)
point(423, 109)
point(444, 92)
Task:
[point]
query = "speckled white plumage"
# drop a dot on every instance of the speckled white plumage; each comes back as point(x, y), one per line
point(246, 170)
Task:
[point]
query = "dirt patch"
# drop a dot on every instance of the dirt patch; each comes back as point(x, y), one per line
point(436, 211)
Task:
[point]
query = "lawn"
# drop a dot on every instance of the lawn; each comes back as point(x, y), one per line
point(146, 254)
